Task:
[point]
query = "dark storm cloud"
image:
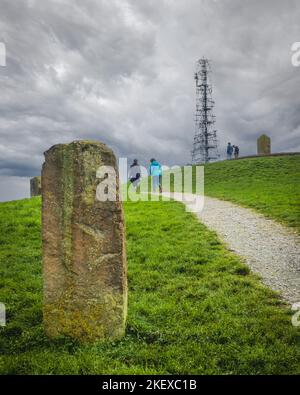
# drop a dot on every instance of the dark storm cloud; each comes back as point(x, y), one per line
point(122, 71)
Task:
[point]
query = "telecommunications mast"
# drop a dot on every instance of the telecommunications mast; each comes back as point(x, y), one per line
point(205, 146)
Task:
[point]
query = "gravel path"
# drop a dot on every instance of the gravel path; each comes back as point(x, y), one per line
point(267, 247)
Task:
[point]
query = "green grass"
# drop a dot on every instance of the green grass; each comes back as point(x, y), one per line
point(270, 185)
point(193, 306)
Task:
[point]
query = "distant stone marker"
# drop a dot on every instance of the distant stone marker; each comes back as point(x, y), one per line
point(35, 186)
point(85, 272)
point(263, 145)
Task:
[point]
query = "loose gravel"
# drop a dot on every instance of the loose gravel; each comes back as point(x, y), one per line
point(268, 248)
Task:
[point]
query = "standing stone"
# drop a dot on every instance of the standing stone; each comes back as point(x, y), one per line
point(35, 186)
point(85, 273)
point(263, 145)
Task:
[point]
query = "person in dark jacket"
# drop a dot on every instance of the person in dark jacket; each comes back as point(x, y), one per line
point(135, 173)
point(236, 151)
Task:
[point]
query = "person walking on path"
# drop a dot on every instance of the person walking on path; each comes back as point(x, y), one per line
point(135, 173)
point(155, 171)
point(229, 151)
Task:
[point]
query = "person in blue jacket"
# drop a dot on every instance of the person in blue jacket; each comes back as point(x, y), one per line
point(229, 150)
point(155, 171)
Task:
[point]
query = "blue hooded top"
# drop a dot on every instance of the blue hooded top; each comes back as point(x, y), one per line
point(229, 149)
point(155, 169)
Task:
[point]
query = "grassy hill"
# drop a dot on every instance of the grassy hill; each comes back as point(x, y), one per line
point(193, 306)
point(270, 185)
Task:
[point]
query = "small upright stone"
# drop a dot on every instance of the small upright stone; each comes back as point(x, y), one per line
point(35, 186)
point(263, 145)
point(85, 273)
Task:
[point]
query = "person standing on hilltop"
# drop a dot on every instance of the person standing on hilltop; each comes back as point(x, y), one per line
point(236, 151)
point(155, 171)
point(229, 150)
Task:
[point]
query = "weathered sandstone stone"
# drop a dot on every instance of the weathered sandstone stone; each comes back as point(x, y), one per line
point(85, 276)
point(263, 145)
point(35, 186)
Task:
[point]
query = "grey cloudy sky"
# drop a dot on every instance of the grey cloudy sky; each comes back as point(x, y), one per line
point(121, 71)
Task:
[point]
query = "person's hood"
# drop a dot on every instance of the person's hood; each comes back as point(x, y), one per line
point(154, 163)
